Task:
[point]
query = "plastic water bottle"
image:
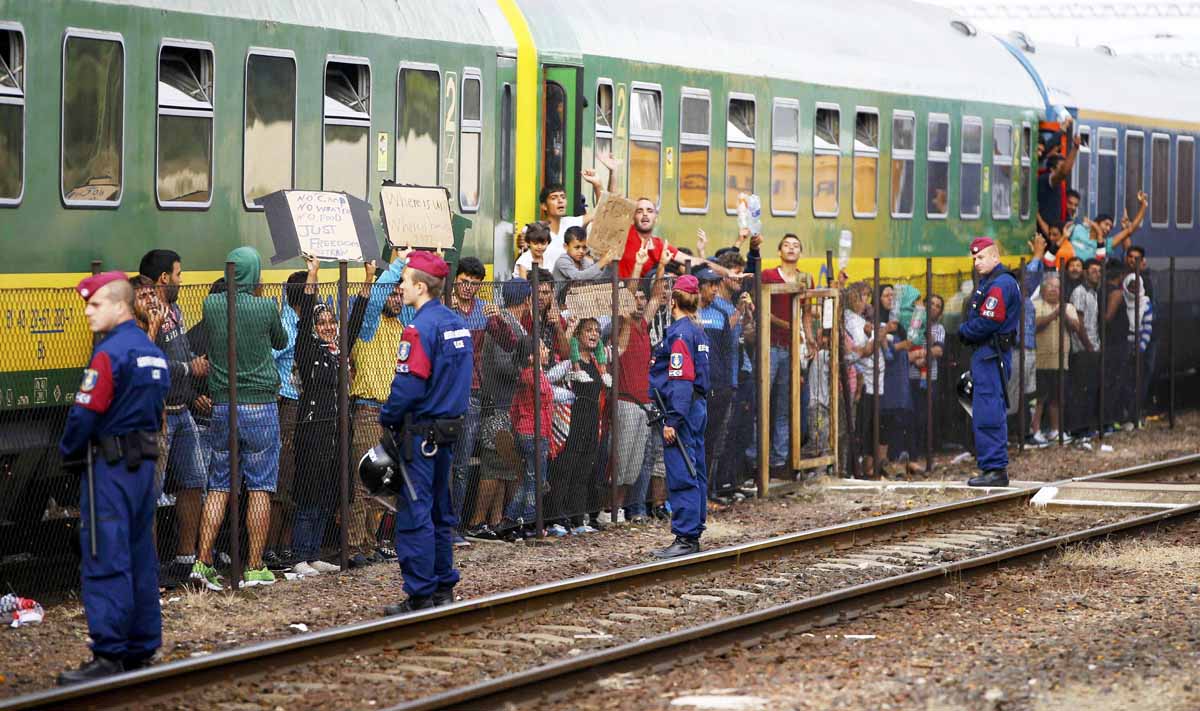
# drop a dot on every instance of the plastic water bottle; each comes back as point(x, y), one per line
point(845, 244)
point(743, 211)
point(755, 206)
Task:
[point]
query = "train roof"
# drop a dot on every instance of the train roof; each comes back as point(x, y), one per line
point(876, 45)
point(1097, 81)
point(478, 22)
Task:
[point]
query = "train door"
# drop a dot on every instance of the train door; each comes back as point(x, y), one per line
point(561, 132)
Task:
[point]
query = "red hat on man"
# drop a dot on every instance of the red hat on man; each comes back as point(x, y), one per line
point(981, 243)
point(688, 284)
point(429, 263)
point(88, 287)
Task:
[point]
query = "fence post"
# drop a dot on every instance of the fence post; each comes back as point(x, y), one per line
point(1062, 330)
point(1101, 310)
point(1021, 361)
point(538, 474)
point(1171, 346)
point(343, 404)
point(876, 465)
point(235, 472)
point(929, 365)
point(614, 368)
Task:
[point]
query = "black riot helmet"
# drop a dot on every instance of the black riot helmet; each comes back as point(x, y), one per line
point(966, 391)
point(379, 468)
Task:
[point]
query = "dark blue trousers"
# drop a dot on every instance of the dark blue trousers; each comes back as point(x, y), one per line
point(425, 526)
point(120, 585)
point(989, 416)
point(688, 496)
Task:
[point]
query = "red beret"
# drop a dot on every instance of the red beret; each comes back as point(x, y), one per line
point(981, 243)
point(688, 284)
point(429, 263)
point(92, 284)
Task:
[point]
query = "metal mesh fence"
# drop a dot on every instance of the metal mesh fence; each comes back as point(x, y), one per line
point(559, 433)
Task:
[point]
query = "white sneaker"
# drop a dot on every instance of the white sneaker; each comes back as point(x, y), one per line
point(304, 570)
point(322, 567)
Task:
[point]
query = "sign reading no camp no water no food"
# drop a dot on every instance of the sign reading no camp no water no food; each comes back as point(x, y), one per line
point(417, 216)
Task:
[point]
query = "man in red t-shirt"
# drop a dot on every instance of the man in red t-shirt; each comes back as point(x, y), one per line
point(790, 249)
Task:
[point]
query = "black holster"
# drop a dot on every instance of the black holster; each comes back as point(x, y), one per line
point(132, 447)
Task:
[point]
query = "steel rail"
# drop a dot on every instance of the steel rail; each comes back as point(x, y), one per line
point(174, 678)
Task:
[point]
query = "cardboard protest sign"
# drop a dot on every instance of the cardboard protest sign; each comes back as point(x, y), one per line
point(417, 216)
point(595, 301)
point(610, 225)
point(326, 225)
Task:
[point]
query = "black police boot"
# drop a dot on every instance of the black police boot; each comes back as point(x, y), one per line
point(412, 604)
point(98, 668)
point(443, 596)
point(996, 477)
point(681, 546)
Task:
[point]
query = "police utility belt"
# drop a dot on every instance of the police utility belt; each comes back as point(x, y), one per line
point(133, 447)
point(433, 433)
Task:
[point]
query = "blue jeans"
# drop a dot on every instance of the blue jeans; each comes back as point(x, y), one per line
point(462, 454)
point(258, 447)
point(523, 507)
point(781, 413)
point(641, 487)
point(308, 531)
point(186, 465)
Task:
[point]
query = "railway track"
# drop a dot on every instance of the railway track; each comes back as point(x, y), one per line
point(497, 645)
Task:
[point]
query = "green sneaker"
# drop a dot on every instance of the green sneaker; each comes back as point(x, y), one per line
point(206, 575)
point(262, 576)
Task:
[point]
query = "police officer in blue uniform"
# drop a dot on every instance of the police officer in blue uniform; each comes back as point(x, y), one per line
point(114, 426)
point(991, 327)
point(679, 385)
point(422, 419)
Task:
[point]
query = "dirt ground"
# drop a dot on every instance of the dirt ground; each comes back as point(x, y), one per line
point(201, 622)
point(1108, 627)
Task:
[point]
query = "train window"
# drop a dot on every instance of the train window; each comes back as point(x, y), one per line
point(645, 143)
point(507, 129)
point(184, 166)
point(904, 155)
point(470, 126)
point(1106, 173)
point(1026, 177)
point(418, 140)
point(937, 167)
point(739, 149)
point(826, 159)
point(1160, 185)
point(1135, 162)
point(12, 114)
point(346, 149)
point(93, 118)
point(695, 139)
point(268, 152)
point(1081, 176)
point(866, 163)
point(970, 182)
point(785, 157)
point(604, 126)
point(1185, 180)
point(1002, 169)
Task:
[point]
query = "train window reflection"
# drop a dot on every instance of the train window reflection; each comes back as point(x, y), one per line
point(739, 149)
point(418, 140)
point(695, 138)
point(904, 128)
point(270, 139)
point(12, 115)
point(866, 163)
point(93, 119)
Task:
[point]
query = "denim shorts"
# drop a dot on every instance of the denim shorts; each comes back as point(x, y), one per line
point(186, 461)
point(258, 447)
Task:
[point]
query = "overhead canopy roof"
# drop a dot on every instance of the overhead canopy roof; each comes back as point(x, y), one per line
point(1091, 80)
point(886, 45)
